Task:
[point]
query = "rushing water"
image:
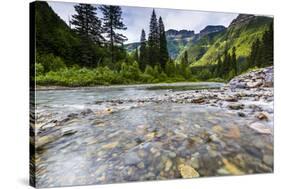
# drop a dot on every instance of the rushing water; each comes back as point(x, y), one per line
point(107, 134)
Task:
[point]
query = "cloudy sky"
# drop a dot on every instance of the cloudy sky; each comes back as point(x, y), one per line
point(136, 18)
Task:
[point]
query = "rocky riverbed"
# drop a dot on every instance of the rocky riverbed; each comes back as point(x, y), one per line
point(155, 132)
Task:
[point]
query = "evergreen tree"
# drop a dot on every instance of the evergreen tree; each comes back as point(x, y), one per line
point(112, 20)
point(86, 23)
point(153, 40)
point(184, 58)
point(234, 61)
point(88, 27)
point(143, 58)
point(219, 69)
point(267, 47)
point(163, 50)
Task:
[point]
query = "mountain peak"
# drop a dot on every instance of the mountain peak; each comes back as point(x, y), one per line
point(171, 33)
point(242, 19)
point(211, 29)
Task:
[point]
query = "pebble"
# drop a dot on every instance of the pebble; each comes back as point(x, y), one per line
point(132, 158)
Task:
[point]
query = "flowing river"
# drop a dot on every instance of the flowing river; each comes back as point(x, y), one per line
point(118, 134)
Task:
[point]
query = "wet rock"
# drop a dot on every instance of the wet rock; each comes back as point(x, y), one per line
point(254, 151)
point(187, 171)
point(69, 132)
point(254, 84)
point(241, 114)
point(86, 112)
point(141, 165)
point(198, 100)
point(268, 159)
point(233, 132)
point(260, 128)
point(231, 168)
point(217, 129)
point(132, 158)
point(168, 165)
point(236, 106)
point(110, 145)
point(262, 116)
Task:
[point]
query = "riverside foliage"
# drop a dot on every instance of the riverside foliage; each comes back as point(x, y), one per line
point(90, 51)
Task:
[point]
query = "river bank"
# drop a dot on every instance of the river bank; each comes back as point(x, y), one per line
point(156, 132)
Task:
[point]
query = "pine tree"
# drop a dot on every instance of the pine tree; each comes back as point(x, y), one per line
point(234, 61)
point(86, 23)
point(143, 58)
point(112, 20)
point(153, 40)
point(184, 59)
point(219, 69)
point(163, 50)
point(267, 46)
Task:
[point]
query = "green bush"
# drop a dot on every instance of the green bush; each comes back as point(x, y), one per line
point(50, 62)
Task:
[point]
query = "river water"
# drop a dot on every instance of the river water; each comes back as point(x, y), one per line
point(115, 134)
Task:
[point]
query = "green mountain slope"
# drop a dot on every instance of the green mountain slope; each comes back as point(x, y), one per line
point(241, 33)
point(52, 33)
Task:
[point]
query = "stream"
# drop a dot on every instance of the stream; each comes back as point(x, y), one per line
point(115, 134)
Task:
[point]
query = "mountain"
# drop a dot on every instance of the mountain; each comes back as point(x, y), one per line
point(177, 40)
point(52, 34)
point(241, 33)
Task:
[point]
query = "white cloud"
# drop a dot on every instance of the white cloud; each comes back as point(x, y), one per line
point(137, 18)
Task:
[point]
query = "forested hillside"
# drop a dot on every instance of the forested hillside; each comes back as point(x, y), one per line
point(91, 50)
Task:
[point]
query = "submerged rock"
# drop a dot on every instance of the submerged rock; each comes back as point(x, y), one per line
point(132, 158)
point(236, 106)
point(260, 128)
point(187, 171)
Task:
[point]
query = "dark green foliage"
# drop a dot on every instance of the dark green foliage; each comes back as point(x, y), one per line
point(262, 50)
point(136, 55)
point(234, 61)
point(153, 40)
point(163, 50)
point(48, 62)
point(86, 23)
point(112, 21)
point(143, 55)
point(184, 58)
point(53, 35)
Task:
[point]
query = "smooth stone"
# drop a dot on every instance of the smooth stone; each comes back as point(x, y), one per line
point(260, 128)
point(241, 114)
point(132, 158)
point(262, 116)
point(187, 171)
point(168, 165)
point(236, 106)
point(268, 159)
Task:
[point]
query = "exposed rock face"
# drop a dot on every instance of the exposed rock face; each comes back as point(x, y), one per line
point(242, 19)
point(179, 34)
point(212, 29)
point(253, 79)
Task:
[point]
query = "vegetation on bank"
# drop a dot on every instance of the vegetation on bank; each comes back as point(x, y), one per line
point(91, 52)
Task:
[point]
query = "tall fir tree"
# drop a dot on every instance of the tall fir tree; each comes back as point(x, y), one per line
point(163, 50)
point(234, 61)
point(153, 40)
point(88, 26)
point(143, 57)
point(267, 48)
point(112, 20)
point(184, 58)
point(86, 23)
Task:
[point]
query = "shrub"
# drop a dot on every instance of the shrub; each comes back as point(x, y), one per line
point(50, 62)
